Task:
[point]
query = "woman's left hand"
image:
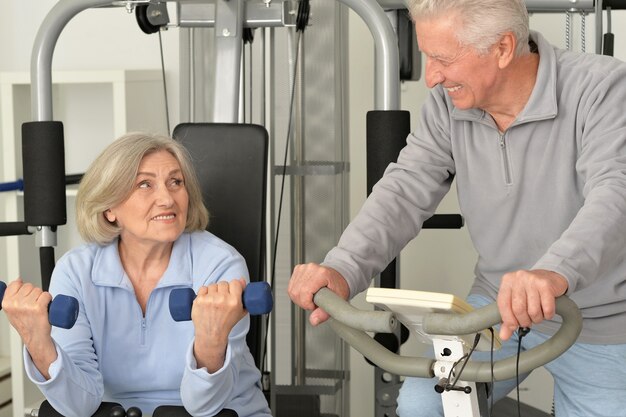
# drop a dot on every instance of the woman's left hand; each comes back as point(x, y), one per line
point(215, 311)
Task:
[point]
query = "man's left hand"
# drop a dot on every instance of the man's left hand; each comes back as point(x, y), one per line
point(527, 297)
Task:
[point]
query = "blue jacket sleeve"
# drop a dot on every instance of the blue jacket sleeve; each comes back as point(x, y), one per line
point(75, 388)
point(237, 384)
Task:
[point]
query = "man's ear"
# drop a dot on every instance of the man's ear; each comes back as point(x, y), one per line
point(505, 49)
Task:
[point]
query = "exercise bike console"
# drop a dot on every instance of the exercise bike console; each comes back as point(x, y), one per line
point(410, 308)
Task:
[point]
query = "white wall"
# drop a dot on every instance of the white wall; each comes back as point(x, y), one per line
point(96, 39)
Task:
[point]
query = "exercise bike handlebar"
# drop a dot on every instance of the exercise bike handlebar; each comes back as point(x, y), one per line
point(351, 324)
point(344, 312)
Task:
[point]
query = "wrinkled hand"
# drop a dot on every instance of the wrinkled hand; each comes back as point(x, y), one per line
point(215, 311)
point(527, 297)
point(26, 307)
point(307, 279)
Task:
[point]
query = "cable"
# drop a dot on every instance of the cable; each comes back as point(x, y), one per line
point(302, 19)
point(466, 357)
point(491, 369)
point(522, 331)
point(282, 187)
point(568, 30)
point(583, 32)
point(167, 111)
point(449, 386)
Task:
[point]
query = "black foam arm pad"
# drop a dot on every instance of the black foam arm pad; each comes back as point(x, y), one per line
point(614, 4)
point(608, 43)
point(43, 161)
point(386, 136)
point(444, 221)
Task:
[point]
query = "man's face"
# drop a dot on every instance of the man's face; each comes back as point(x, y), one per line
point(469, 78)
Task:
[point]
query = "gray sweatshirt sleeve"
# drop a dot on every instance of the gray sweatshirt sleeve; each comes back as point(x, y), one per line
point(593, 245)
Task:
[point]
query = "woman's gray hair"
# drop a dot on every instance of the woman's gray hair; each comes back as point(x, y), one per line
point(110, 180)
point(483, 21)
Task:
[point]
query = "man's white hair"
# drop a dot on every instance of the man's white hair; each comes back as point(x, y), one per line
point(483, 22)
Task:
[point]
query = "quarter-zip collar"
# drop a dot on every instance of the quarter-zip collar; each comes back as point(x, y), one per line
point(541, 105)
point(108, 270)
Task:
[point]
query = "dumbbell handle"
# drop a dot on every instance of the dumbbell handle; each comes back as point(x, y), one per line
point(257, 299)
point(62, 311)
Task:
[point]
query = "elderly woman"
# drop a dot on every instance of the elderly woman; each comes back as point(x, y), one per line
point(140, 209)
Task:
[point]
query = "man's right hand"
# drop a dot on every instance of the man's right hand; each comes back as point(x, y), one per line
point(307, 279)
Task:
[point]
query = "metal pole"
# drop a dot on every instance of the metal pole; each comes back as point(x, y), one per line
point(41, 97)
point(599, 31)
point(228, 39)
point(387, 83)
point(41, 58)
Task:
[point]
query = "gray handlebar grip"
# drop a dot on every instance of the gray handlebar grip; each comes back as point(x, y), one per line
point(343, 311)
point(485, 317)
point(351, 324)
point(383, 357)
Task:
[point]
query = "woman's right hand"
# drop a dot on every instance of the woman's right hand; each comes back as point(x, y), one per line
point(26, 307)
point(216, 310)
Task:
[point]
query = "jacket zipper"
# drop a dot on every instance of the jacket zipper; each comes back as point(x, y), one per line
point(143, 331)
point(505, 161)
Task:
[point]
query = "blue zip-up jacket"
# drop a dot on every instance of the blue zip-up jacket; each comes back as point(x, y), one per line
point(548, 193)
point(115, 353)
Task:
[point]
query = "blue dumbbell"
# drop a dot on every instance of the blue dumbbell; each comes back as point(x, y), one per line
point(257, 299)
point(62, 311)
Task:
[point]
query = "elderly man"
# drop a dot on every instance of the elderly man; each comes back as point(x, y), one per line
point(536, 139)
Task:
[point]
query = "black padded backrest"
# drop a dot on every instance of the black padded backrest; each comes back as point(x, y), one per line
point(231, 164)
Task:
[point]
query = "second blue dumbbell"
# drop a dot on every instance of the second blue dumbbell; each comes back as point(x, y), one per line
point(257, 299)
point(62, 311)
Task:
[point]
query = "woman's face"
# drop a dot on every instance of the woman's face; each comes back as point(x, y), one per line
point(156, 211)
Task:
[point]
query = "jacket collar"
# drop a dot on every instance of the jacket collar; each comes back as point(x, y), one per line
point(542, 103)
point(107, 269)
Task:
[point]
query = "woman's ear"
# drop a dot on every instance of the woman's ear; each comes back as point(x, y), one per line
point(108, 214)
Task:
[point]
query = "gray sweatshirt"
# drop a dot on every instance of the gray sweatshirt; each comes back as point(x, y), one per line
point(548, 193)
